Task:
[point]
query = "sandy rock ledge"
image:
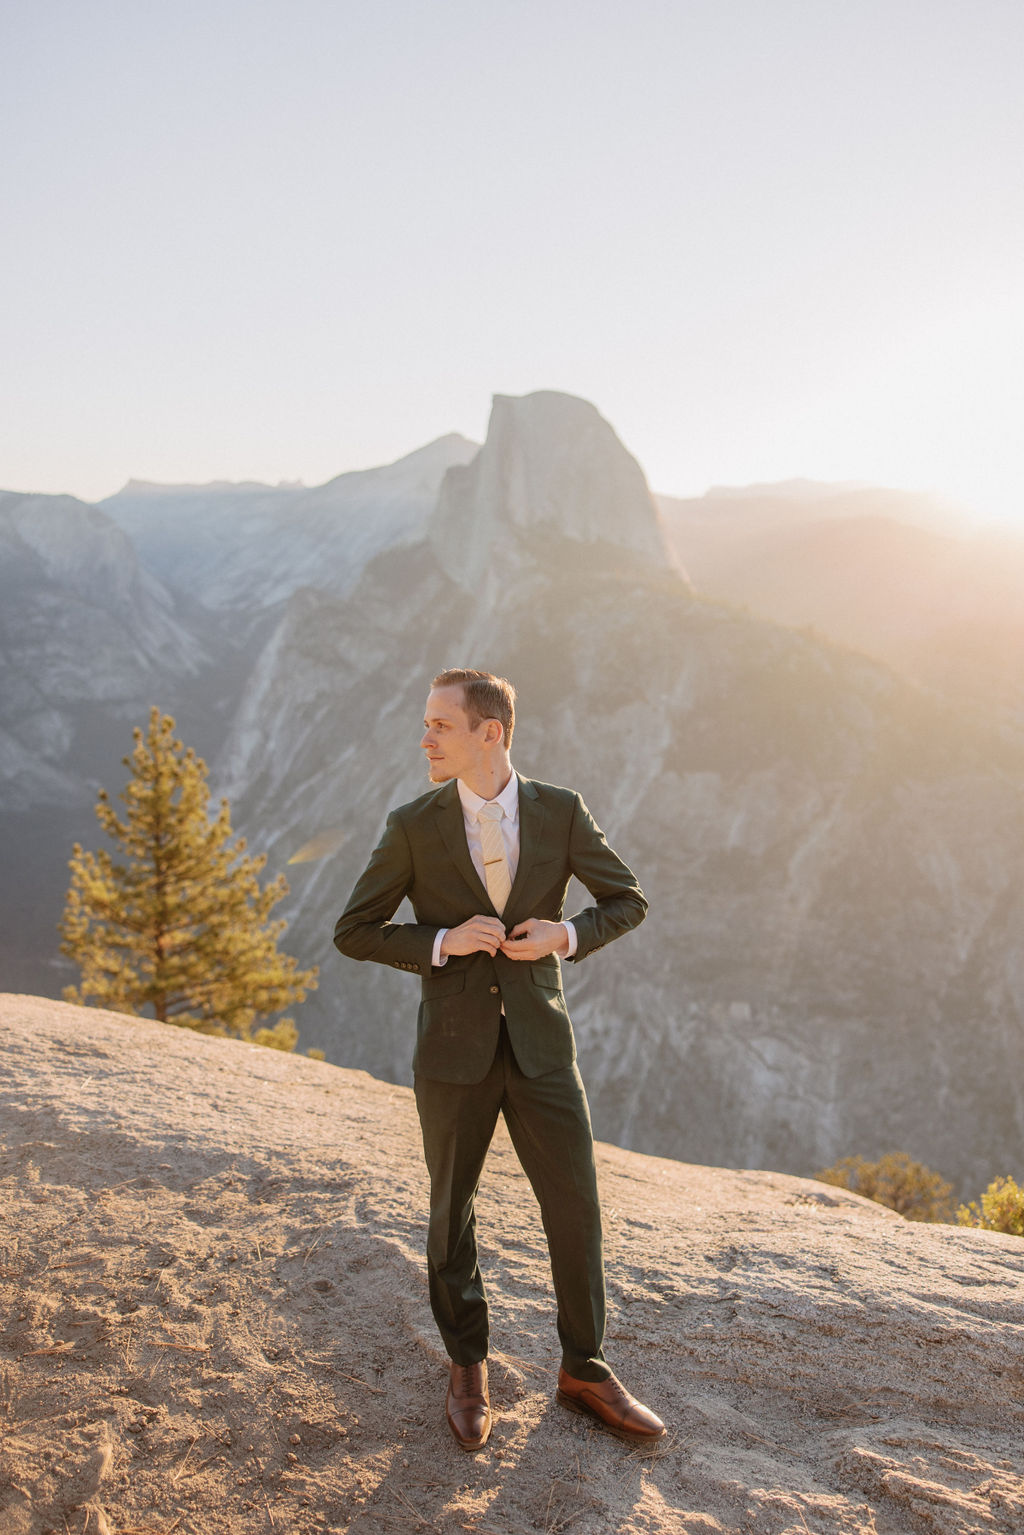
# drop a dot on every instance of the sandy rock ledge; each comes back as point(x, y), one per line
point(214, 1321)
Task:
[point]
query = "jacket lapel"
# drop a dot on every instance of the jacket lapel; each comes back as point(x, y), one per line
point(452, 826)
point(532, 816)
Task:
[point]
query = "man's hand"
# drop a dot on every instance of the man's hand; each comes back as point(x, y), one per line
point(535, 938)
point(481, 933)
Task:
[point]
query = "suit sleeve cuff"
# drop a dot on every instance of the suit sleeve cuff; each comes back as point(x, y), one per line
point(436, 958)
point(573, 940)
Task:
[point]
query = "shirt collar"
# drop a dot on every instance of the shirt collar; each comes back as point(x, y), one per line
point(508, 799)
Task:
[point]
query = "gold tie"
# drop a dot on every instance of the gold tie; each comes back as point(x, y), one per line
point(492, 843)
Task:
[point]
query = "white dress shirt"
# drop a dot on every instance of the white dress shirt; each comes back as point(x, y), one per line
point(508, 799)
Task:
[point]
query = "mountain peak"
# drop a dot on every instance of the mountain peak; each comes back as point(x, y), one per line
point(551, 470)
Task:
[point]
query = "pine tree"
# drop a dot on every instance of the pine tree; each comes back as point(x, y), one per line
point(183, 925)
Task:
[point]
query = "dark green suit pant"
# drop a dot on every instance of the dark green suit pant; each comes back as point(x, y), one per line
point(549, 1122)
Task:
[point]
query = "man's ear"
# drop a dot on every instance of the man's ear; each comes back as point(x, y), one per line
point(494, 732)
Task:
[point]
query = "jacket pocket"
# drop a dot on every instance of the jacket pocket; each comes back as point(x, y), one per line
point(444, 985)
point(547, 975)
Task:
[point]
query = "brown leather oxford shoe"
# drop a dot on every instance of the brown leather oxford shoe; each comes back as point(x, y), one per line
point(611, 1406)
point(467, 1405)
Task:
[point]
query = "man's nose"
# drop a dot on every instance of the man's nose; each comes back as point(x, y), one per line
point(427, 740)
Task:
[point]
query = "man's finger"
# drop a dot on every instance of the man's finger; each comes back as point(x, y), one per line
point(484, 927)
point(518, 950)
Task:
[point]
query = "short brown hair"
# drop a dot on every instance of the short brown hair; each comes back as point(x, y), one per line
point(484, 697)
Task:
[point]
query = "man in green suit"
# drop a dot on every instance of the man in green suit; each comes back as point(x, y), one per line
point(486, 861)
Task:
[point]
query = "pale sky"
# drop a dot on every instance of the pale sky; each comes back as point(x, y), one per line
point(279, 239)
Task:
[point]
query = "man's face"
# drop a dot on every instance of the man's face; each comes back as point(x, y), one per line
point(454, 749)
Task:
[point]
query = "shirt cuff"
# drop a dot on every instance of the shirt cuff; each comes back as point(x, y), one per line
point(437, 959)
point(573, 940)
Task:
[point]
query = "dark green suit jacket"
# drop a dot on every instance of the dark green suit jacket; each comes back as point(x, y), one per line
point(424, 855)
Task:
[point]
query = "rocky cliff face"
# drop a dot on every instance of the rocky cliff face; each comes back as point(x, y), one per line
point(553, 481)
point(833, 960)
point(165, 595)
point(825, 848)
point(81, 625)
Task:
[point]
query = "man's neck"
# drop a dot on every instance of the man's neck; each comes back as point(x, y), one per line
point(489, 782)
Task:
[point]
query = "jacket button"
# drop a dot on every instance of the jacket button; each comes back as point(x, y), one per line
point(495, 990)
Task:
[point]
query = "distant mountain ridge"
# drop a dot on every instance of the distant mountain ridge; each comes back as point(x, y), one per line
point(887, 573)
point(233, 547)
point(834, 959)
